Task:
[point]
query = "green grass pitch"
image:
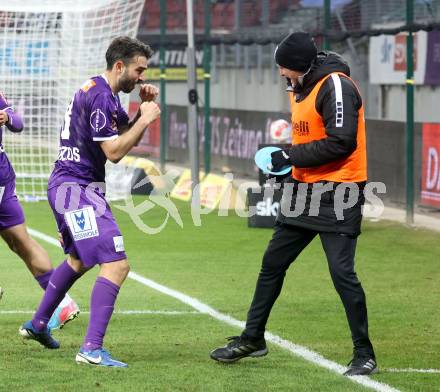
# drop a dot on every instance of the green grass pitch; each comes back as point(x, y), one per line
point(218, 264)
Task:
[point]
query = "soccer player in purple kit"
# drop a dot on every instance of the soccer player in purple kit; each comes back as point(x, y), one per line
point(96, 128)
point(12, 223)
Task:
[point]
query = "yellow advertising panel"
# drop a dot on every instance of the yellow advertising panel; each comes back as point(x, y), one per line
point(128, 160)
point(182, 190)
point(148, 166)
point(172, 74)
point(212, 189)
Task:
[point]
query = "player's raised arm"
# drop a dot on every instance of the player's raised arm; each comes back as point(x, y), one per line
point(117, 148)
point(8, 117)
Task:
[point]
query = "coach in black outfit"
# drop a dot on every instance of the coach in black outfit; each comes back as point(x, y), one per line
point(322, 196)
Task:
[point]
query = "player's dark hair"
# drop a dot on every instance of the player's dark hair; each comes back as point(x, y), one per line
point(125, 48)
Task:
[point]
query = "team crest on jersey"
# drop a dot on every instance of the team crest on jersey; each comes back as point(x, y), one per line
point(82, 223)
point(88, 85)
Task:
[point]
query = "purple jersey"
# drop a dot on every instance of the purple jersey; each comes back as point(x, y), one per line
point(15, 125)
point(94, 115)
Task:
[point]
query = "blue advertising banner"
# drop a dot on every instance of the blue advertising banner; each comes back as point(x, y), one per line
point(432, 75)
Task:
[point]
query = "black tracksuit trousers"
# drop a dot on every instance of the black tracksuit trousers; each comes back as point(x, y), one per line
point(285, 246)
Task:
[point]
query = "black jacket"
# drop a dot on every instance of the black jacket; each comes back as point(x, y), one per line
point(340, 142)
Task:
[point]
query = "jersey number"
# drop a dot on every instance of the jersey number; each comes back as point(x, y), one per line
point(65, 130)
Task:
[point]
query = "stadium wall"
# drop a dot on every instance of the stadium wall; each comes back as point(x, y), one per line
point(391, 103)
point(257, 90)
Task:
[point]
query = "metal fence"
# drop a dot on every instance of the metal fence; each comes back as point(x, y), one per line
point(245, 32)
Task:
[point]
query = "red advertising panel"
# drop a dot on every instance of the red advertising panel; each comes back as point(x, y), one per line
point(431, 165)
point(400, 52)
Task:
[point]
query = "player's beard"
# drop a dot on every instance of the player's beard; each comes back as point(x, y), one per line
point(126, 84)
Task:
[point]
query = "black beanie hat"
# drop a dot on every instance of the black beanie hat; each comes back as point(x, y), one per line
point(296, 52)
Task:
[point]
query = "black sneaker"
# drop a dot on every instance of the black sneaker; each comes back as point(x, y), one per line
point(362, 365)
point(240, 347)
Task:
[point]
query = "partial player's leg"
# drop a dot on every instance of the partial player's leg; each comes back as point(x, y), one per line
point(62, 279)
point(340, 251)
point(14, 233)
point(91, 236)
point(103, 299)
point(92, 231)
point(31, 252)
point(285, 246)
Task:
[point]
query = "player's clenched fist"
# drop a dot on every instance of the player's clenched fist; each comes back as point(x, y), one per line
point(148, 92)
point(4, 118)
point(150, 111)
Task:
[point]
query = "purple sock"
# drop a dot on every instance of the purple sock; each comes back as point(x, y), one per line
point(43, 280)
point(60, 282)
point(101, 309)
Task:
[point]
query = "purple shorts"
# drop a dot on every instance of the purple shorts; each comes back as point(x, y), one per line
point(86, 224)
point(11, 213)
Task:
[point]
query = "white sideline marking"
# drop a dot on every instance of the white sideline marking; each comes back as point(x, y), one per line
point(44, 237)
point(303, 352)
point(411, 370)
point(124, 312)
point(165, 312)
point(300, 351)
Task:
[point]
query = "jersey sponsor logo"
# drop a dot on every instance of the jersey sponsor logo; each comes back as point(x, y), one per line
point(88, 85)
point(2, 191)
point(69, 154)
point(98, 120)
point(301, 128)
point(82, 223)
point(119, 243)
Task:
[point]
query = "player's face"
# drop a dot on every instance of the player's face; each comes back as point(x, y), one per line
point(292, 75)
point(132, 74)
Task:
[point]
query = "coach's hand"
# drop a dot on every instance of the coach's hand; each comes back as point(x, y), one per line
point(148, 93)
point(280, 159)
point(150, 111)
point(4, 118)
